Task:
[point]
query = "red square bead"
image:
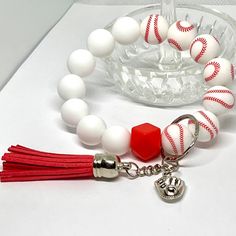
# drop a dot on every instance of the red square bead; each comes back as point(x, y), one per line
point(146, 141)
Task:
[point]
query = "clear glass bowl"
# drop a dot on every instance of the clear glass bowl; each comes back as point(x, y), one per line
point(159, 75)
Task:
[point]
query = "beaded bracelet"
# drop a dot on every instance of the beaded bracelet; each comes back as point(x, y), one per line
point(146, 141)
point(154, 29)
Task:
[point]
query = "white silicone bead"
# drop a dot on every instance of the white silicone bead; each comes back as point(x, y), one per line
point(81, 62)
point(175, 139)
point(218, 71)
point(181, 34)
point(101, 43)
point(204, 48)
point(126, 30)
point(116, 140)
point(90, 130)
point(71, 86)
point(208, 126)
point(218, 99)
point(154, 29)
point(73, 110)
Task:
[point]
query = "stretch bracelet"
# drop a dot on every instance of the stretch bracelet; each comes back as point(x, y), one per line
point(146, 141)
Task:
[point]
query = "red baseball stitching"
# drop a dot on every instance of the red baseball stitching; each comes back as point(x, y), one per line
point(181, 137)
point(203, 50)
point(148, 28)
point(232, 71)
point(217, 100)
point(219, 91)
point(216, 70)
point(156, 31)
point(204, 126)
point(171, 141)
point(209, 120)
point(183, 28)
point(175, 43)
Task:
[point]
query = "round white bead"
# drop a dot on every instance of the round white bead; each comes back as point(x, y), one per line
point(204, 48)
point(101, 43)
point(81, 62)
point(175, 139)
point(126, 30)
point(73, 110)
point(218, 71)
point(218, 99)
point(154, 29)
point(116, 140)
point(71, 86)
point(90, 130)
point(208, 126)
point(181, 34)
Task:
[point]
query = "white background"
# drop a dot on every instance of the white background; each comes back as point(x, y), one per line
point(30, 116)
point(23, 23)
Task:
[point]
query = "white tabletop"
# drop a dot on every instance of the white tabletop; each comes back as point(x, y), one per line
point(30, 116)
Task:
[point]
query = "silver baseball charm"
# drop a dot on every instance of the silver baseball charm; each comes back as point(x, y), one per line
point(170, 188)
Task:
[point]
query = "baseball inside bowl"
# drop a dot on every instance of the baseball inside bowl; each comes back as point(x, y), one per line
point(158, 74)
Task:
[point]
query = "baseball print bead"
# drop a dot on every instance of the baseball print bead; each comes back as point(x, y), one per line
point(116, 140)
point(218, 71)
point(81, 62)
point(90, 130)
point(73, 110)
point(71, 86)
point(126, 30)
point(181, 34)
point(101, 43)
point(154, 29)
point(208, 126)
point(175, 139)
point(218, 99)
point(204, 48)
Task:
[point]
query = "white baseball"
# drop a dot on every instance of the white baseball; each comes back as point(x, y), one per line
point(101, 43)
point(176, 138)
point(204, 48)
point(218, 99)
point(181, 34)
point(126, 30)
point(154, 29)
point(208, 126)
point(218, 71)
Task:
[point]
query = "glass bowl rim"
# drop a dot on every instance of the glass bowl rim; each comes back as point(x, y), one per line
point(231, 21)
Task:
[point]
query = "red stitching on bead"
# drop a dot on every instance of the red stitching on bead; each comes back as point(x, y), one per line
point(183, 28)
point(209, 120)
point(216, 70)
point(181, 137)
point(156, 31)
point(148, 28)
point(171, 141)
point(221, 102)
point(219, 91)
point(204, 126)
point(175, 43)
point(203, 50)
point(232, 71)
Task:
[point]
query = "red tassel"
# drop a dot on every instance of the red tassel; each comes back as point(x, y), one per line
point(25, 164)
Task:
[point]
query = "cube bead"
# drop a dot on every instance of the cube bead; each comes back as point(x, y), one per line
point(145, 141)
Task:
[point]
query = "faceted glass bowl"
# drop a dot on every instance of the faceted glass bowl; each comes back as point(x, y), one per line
point(158, 74)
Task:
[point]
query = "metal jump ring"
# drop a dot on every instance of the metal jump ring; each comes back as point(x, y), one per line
point(175, 158)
